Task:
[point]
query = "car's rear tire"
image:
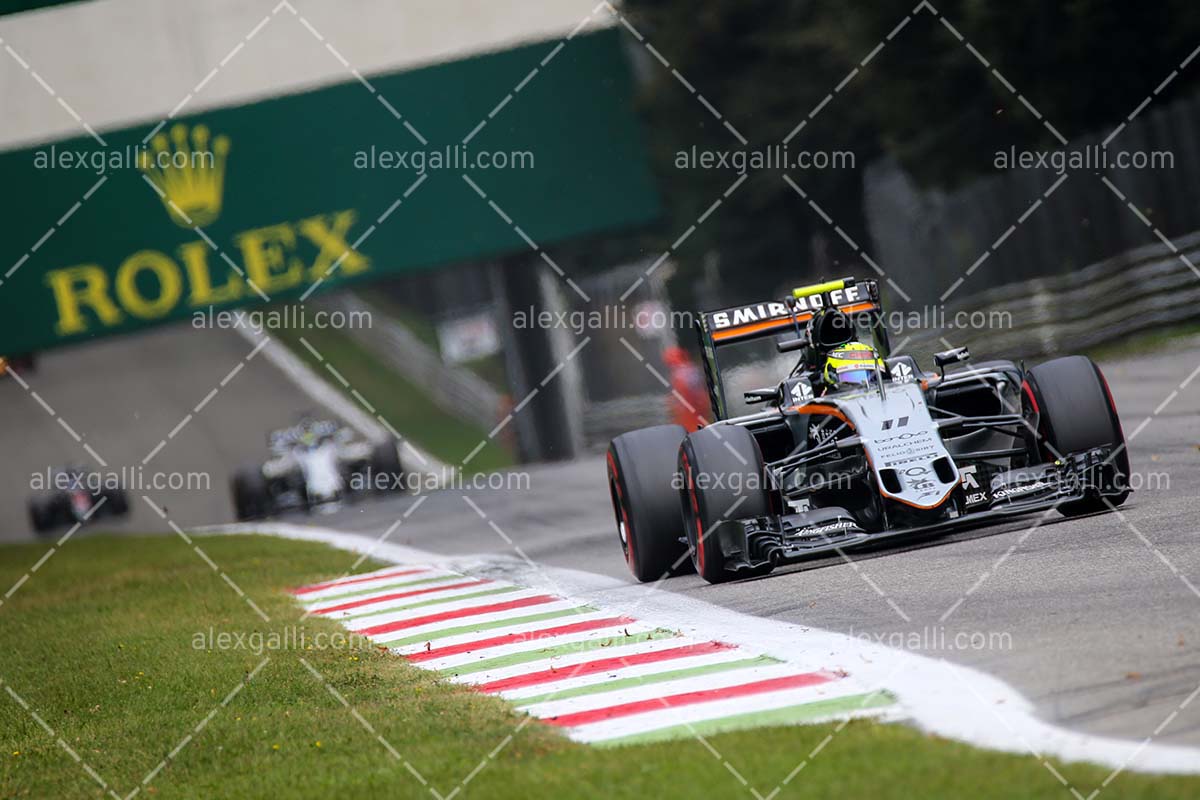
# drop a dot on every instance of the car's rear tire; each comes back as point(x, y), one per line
point(118, 502)
point(251, 498)
point(722, 476)
point(387, 474)
point(1076, 414)
point(641, 482)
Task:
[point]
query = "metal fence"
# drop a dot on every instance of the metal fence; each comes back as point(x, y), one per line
point(1083, 231)
point(1132, 292)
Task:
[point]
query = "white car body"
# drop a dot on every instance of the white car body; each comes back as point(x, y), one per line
point(321, 468)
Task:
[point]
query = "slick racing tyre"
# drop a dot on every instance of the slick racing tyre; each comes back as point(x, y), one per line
point(1076, 414)
point(117, 504)
point(251, 499)
point(641, 483)
point(722, 477)
point(42, 514)
point(386, 473)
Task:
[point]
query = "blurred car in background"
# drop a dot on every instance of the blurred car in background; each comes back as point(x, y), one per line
point(24, 363)
point(74, 495)
point(315, 463)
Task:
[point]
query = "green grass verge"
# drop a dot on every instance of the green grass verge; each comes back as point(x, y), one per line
point(418, 325)
point(405, 406)
point(490, 368)
point(104, 642)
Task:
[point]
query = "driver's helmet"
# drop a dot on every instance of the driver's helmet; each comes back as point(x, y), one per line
point(851, 364)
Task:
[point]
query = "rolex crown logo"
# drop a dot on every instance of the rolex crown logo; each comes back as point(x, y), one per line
point(189, 173)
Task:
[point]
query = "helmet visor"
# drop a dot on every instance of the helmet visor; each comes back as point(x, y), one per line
point(850, 376)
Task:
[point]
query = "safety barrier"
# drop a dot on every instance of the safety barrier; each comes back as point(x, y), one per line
point(458, 391)
point(1132, 292)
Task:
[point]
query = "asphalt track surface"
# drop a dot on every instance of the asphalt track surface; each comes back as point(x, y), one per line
point(124, 396)
point(1096, 620)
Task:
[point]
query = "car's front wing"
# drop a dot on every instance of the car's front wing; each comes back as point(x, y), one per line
point(755, 542)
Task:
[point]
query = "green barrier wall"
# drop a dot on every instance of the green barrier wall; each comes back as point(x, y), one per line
point(278, 190)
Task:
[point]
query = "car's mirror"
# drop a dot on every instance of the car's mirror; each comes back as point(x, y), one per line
point(761, 395)
point(791, 345)
point(953, 356)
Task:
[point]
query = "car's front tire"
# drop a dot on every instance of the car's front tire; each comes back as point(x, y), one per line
point(722, 477)
point(118, 502)
point(251, 498)
point(387, 474)
point(641, 483)
point(1076, 413)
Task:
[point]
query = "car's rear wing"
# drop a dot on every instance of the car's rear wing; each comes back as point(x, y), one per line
point(772, 318)
point(742, 323)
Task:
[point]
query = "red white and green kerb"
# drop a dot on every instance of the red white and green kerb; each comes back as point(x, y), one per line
point(603, 676)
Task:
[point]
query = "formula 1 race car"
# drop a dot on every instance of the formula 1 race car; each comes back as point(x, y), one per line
point(315, 463)
point(17, 364)
point(73, 495)
point(855, 445)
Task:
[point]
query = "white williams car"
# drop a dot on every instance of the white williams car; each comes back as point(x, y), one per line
point(315, 463)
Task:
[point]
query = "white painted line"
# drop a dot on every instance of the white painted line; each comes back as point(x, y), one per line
point(670, 717)
point(384, 617)
point(378, 594)
point(340, 591)
point(636, 671)
point(316, 387)
point(359, 577)
point(477, 636)
point(532, 644)
point(736, 677)
point(321, 391)
point(430, 603)
point(563, 663)
point(480, 619)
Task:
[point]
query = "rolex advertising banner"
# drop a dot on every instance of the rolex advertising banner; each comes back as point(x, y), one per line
point(277, 199)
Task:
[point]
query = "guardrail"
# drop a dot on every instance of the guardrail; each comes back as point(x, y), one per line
point(457, 390)
point(1129, 293)
point(607, 419)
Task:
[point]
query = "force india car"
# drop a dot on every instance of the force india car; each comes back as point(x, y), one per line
point(826, 468)
point(315, 463)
